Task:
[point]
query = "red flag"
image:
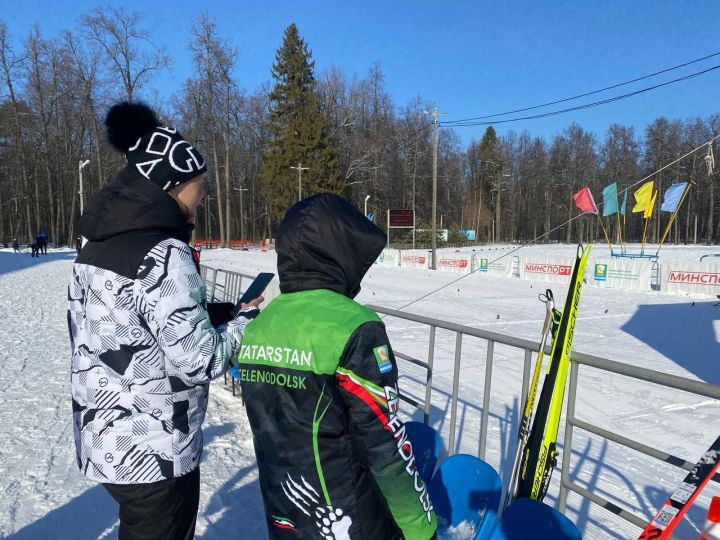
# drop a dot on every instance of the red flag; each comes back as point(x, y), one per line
point(584, 201)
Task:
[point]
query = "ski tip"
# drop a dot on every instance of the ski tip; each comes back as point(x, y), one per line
point(583, 250)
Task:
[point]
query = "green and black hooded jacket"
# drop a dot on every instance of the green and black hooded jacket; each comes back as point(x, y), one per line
point(320, 386)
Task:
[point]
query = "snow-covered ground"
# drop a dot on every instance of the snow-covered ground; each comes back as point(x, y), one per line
point(44, 496)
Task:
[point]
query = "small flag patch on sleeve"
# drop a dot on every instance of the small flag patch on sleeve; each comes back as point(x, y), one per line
point(283, 523)
point(383, 358)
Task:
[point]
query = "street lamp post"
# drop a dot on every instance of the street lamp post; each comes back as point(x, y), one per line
point(367, 197)
point(242, 213)
point(81, 165)
point(300, 169)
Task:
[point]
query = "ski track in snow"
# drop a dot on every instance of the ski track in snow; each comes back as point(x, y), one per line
point(43, 495)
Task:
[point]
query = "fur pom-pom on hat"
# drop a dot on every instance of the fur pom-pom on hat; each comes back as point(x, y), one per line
point(127, 122)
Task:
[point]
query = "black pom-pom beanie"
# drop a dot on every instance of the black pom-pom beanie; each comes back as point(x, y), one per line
point(158, 153)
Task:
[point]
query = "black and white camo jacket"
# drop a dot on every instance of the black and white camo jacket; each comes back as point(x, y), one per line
point(143, 347)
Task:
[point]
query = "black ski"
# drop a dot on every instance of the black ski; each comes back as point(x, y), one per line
point(675, 507)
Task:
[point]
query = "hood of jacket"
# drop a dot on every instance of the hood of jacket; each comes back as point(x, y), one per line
point(131, 203)
point(324, 242)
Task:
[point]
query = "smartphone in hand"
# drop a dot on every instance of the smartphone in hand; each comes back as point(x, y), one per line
point(256, 288)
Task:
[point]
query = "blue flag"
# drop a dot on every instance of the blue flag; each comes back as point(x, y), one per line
point(672, 197)
point(624, 204)
point(610, 200)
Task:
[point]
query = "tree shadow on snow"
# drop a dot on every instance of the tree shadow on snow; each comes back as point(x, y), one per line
point(13, 262)
point(212, 432)
point(240, 507)
point(597, 470)
point(685, 333)
point(599, 475)
point(93, 514)
point(468, 412)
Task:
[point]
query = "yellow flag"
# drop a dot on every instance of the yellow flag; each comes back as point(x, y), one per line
point(649, 210)
point(643, 197)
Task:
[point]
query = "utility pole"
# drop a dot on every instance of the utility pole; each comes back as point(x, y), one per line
point(300, 169)
point(434, 187)
point(436, 125)
point(242, 212)
point(242, 216)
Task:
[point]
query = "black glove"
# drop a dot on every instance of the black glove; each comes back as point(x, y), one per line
point(220, 312)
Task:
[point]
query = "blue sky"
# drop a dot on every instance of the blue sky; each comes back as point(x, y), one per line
point(471, 58)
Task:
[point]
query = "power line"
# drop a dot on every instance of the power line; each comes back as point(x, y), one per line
point(586, 93)
point(585, 106)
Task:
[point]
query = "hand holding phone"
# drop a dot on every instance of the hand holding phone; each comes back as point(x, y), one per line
point(255, 290)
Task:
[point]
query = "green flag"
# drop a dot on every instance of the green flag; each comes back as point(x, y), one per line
point(624, 204)
point(610, 200)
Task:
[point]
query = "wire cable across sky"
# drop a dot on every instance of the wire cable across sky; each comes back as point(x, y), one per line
point(580, 107)
point(482, 120)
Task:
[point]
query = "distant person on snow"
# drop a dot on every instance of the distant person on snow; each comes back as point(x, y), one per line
point(320, 385)
point(34, 250)
point(43, 242)
point(16, 245)
point(140, 382)
point(78, 244)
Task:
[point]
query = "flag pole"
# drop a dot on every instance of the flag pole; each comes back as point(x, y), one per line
point(647, 220)
point(624, 226)
point(624, 220)
point(672, 218)
point(602, 226)
point(620, 233)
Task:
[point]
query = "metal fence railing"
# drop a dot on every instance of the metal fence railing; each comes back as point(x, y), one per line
point(571, 421)
point(226, 285)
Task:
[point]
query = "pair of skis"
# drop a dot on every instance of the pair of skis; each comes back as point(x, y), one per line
point(552, 320)
point(536, 455)
point(677, 505)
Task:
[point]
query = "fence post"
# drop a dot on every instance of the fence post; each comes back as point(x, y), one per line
point(428, 382)
point(456, 384)
point(567, 442)
point(486, 400)
point(212, 288)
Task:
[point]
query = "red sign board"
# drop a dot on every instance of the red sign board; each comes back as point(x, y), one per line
point(401, 218)
point(553, 269)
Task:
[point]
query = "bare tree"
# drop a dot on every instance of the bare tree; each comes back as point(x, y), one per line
point(118, 34)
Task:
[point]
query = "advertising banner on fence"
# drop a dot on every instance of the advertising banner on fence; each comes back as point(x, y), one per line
point(388, 257)
point(620, 274)
point(546, 269)
point(454, 263)
point(691, 278)
point(487, 265)
point(414, 259)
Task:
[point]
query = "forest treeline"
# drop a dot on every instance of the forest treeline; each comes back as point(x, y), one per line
point(305, 132)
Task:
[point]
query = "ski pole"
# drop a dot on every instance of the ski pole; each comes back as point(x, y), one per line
point(524, 428)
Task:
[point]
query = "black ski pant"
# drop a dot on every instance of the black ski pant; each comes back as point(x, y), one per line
point(164, 510)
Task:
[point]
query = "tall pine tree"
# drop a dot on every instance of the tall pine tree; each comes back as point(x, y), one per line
point(298, 133)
